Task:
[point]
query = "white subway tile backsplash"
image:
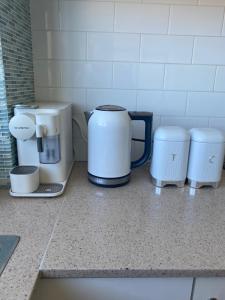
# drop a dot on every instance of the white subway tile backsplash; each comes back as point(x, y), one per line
point(129, 1)
point(218, 123)
point(186, 122)
point(141, 18)
point(212, 2)
point(220, 80)
point(190, 2)
point(166, 49)
point(44, 14)
point(86, 74)
point(162, 103)
point(40, 45)
point(165, 56)
point(138, 76)
point(113, 46)
point(206, 104)
point(59, 45)
point(125, 75)
point(75, 96)
point(47, 73)
point(125, 98)
point(150, 76)
point(87, 16)
point(205, 47)
point(196, 20)
point(189, 77)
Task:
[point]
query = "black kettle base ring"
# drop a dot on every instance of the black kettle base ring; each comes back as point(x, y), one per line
point(109, 182)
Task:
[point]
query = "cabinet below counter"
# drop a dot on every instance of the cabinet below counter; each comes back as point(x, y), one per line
point(209, 288)
point(130, 289)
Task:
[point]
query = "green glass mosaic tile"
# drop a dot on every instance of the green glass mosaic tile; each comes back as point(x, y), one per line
point(16, 73)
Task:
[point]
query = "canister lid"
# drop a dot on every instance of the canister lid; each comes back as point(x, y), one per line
point(207, 135)
point(171, 133)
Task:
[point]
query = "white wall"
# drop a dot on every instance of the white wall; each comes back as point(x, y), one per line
point(165, 56)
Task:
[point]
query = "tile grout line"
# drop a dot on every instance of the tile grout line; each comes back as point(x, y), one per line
point(209, 121)
point(86, 101)
point(60, 28)
point(114, 16)
point(223, 23)
point(164, 78)
point(140, 46)
point(157, 3)
point(186, 105)
point(169, 20)
point(130, 89)
point(125, 62)
point(112, 81)
point(160, 119)
point(59, 15)
point(193, 50)
point(86, 46)
point(214, 81)
point(129, 33)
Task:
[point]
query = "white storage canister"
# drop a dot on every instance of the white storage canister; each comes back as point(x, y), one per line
point(206, 157)
point(170, 156)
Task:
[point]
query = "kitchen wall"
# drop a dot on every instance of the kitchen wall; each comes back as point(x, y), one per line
point(165, 56)
point(16, 73)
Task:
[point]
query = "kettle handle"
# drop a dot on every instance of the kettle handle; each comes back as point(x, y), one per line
point(147, 118)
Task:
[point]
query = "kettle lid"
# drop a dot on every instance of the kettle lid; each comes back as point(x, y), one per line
point(110, 108)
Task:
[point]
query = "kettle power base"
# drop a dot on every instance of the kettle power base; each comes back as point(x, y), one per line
point(109, 182)
point(44, 190)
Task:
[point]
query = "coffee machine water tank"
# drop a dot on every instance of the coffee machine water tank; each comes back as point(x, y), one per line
point(50, 140)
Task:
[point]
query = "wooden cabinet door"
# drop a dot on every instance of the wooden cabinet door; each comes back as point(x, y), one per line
point(209, 288)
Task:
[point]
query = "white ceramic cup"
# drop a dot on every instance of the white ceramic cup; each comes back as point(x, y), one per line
point(24, 179)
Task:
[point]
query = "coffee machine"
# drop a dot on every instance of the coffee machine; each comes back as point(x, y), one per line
point(43, 132)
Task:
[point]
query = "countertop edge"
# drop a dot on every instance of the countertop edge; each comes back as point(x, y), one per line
point(127, 273)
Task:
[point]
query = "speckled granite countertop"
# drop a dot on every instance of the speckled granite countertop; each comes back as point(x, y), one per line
point(135, 230)
point(33, 220)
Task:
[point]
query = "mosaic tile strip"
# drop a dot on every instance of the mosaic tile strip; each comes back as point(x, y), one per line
point(16, 73)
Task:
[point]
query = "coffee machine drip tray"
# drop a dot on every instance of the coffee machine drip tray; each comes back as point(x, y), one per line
point(44, 190)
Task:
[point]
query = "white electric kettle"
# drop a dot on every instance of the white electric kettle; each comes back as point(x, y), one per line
point(109, 144)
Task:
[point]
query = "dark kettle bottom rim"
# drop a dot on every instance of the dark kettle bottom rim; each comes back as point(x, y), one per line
point(109, 182)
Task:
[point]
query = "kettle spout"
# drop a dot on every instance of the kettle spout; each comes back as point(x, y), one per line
point(88, 114)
